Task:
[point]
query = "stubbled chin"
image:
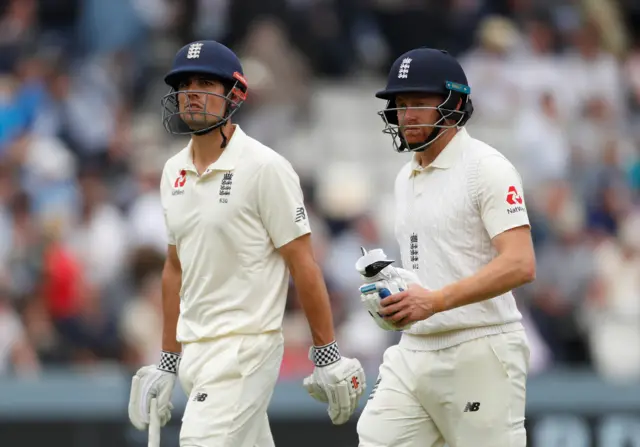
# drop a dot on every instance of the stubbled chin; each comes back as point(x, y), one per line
point(415, 138)
point(199, 124)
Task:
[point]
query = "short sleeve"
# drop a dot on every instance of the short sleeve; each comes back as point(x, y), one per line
point(281, 202)
point(500, 196)
point(165, 192)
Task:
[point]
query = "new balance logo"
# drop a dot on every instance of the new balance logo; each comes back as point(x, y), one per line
point(472, 406)
point(200, 397)
point(300, 214)
point(225, 186)
point(403, 72)
point(194, 51)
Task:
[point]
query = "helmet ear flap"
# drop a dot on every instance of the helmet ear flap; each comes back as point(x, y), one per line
point(452, 104)
point(467, 108)
point(390, 114)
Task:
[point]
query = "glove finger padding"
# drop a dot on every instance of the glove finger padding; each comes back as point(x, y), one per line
point(164, 403)
point(164, 414)
point(371, 294)
point(314, 389)
point(149, 382)
point(345, 394)
point(371, 303)
point(344, 397)
point(137, 418)
point(339, 402)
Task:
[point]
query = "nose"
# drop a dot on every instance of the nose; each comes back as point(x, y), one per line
point(191, 96)
point(407, 116)
point(192, 92)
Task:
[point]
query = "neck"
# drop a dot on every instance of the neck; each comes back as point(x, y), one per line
point(426, 157)
point(206, 149)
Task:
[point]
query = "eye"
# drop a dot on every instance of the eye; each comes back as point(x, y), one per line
point(209, 82)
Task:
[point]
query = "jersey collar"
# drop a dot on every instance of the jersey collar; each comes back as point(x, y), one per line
point(229, 157)
point(447, 158)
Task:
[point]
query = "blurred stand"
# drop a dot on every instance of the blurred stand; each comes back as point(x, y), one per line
point(556, 85)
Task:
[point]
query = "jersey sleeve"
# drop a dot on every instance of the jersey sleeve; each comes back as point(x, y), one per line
point(165, 192)
point(281, 202)
point(500, 196)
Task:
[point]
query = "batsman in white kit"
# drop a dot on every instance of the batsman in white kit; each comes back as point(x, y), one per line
point(237, 229)
point(458, 375)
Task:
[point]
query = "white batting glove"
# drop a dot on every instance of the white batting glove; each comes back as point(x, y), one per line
point(336, 380)
point(153, 382)
point(381, 280)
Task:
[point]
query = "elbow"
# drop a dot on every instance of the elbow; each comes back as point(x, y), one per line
point(526, 271)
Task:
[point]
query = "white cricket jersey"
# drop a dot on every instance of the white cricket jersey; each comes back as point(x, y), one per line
point(227, 225)
point(447, 214)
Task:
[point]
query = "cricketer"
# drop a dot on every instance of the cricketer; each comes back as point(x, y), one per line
point(458, 375)
point(237, 229)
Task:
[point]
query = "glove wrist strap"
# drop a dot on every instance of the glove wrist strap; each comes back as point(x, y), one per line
point(169, 362)
point(325, 355)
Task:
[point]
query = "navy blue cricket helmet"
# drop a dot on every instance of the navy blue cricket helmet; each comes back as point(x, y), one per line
point(431, 72)
point(209, 60)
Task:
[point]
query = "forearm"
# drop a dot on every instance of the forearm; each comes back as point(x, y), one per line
point(501, 275)
point(314, 298)
point(171, 282)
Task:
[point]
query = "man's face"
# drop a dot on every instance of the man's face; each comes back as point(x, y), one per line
point(411, 116)
point(201, 101)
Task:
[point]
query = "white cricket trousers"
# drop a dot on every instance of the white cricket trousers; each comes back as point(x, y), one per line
point(469, 395)
point(229, 382)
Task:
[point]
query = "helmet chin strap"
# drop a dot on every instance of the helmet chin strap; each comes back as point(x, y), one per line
point(220, 125)
point(208, 130)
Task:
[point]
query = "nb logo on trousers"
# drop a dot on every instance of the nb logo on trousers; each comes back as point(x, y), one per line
point(200, 397)
point(472, 406)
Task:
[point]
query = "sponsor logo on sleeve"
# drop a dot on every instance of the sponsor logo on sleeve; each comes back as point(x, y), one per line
point(514, 200)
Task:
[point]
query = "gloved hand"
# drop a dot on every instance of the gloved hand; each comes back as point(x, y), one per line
point(336, 380)
point(149, 382)
point(381, 280)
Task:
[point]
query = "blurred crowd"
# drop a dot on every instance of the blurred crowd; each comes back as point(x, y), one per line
point(555, 83)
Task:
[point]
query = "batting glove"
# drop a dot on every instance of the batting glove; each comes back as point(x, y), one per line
point(336, 380)
point(153, 382)
point(380, 281)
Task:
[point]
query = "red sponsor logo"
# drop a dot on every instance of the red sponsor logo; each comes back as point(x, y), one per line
point(181, 180)
point(513, 198)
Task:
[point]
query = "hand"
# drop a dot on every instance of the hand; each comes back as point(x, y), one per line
point(390, 281)
point(371, 296)
point(152, 382)
point(340, 383)
point(411, 305)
